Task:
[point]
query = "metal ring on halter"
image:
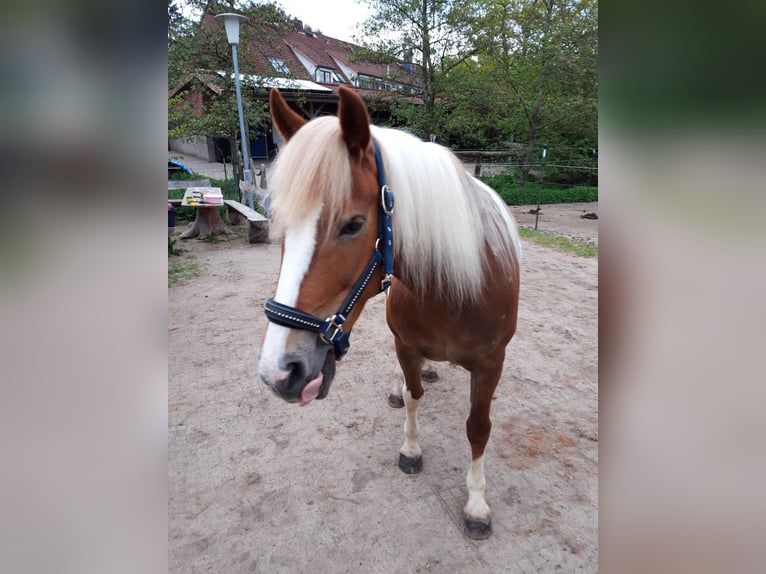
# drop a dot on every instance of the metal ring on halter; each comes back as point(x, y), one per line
point(326, 335)
point(383, 204)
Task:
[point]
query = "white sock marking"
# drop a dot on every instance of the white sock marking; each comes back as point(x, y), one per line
point(476, 507)
point(410, 448)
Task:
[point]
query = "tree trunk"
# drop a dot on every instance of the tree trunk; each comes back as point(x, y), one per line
point(526, 164)
point(534, 126)
point(429, 98)
point(206, 222)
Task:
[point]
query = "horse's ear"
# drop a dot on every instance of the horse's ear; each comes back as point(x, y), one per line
point(286, 120)
point(354, 121)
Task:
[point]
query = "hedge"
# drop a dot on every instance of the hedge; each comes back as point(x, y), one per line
point(513, 195)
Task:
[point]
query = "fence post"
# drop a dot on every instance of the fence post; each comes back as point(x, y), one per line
point(540, 189)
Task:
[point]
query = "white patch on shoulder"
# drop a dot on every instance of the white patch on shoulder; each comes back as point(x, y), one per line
point(300, 242)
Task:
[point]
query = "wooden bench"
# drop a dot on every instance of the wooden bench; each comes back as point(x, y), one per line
point(259, 225)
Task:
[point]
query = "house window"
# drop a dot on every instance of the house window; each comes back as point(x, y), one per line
point(328, 76)
point(279, 66)
point(373, 83)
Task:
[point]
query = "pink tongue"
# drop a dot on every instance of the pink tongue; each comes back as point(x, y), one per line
point(311, 390)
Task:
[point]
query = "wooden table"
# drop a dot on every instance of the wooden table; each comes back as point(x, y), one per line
point(207, 220)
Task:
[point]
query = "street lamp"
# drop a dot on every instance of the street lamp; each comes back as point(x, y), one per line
point(232, 21)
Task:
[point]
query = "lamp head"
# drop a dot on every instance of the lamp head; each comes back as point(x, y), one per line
point(231, 21)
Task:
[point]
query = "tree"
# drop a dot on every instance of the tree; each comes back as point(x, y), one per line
point(545, 51)
point(433, 31)
point(197, 51)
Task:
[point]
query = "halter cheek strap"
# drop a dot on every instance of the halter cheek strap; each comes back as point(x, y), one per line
point(330, 330)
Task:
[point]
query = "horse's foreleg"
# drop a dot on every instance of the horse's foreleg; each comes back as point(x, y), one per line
point(410, 455)
point(427, 374)
point(477, 516)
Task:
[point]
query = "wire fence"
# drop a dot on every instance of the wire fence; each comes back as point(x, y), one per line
point(562, 167)
point(554, 176)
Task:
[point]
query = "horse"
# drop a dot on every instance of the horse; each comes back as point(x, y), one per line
point(362, 209)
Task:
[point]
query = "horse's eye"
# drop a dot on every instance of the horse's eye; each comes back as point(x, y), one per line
point(353, 226)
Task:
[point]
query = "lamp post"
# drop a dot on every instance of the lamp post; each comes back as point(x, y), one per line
point(232, 21)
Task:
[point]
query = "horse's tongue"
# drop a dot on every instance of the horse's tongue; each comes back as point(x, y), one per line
point(311, 390)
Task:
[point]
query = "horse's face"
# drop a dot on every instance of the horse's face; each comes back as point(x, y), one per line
point(323, 254)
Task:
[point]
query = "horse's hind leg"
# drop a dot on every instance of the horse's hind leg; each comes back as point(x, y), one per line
point(477, 517)
point(410, 455)
point(395, 400)
point(427, 374)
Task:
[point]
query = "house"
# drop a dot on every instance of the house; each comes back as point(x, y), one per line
point(307, 67)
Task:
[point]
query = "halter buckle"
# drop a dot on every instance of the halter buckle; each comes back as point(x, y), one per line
point(332, 328)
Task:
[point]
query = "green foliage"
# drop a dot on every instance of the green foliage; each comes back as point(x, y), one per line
point(581, 248)
point(492, 71)
point(197, 50)
point(174, 251)
point(431, 33)
point(183, 176)
point(507, 187)
point(229, 187)
point(533, 77)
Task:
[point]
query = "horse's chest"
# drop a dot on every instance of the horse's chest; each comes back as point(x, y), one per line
point(440, 334)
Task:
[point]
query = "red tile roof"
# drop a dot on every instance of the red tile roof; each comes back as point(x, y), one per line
point(259, 42)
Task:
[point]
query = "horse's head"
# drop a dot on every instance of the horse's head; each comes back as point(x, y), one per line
point(324, 204)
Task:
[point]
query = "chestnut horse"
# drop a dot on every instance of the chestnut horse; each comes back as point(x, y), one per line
point(447, 253)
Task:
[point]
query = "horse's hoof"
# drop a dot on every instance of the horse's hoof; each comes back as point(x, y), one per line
point(429, 376)
point(410, 465)
point(395, 401)
point(477, 529)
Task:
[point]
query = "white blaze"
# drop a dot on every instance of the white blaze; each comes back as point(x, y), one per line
point(300, 241)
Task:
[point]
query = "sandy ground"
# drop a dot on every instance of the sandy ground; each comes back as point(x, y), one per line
point(258, 485)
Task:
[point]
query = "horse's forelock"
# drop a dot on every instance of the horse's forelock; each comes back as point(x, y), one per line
point(311, 169)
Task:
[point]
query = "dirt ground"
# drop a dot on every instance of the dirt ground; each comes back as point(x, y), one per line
point(259, 485)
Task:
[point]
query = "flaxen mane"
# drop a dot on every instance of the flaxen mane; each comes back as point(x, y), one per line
point(442, 219)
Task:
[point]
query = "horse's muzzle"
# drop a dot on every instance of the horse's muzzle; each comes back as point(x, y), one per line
point(292, 385)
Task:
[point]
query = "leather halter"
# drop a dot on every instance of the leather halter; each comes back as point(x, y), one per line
point(330, 330)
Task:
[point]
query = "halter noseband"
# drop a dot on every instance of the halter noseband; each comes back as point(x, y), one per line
point(330, 330)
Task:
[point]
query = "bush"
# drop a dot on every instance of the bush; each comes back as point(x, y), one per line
point(183, 176)
point(228, 187)
point(505, 186)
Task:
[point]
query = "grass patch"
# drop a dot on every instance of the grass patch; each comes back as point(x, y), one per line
point(581, 248)
point(182, 270)
point(174, 251)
